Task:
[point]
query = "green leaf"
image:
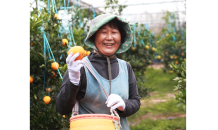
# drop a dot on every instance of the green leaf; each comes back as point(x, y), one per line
point(42, 56)
point(173, 66)
point(42, 66)
point(50, 61)
point(185, 61)
point(183, 69)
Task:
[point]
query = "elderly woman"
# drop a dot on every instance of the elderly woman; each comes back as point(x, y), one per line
point(108, 36)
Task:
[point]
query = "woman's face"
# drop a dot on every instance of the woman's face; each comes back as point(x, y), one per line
point(107, 40)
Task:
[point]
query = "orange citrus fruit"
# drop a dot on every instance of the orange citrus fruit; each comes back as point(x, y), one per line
point(48, 89)
point(87, 53)
point(171, 57)
point(64, 42)
point(56, 16)
point(31, 43)
point(54, 65)
point(176, 62)
point(146, 47)
point(53, 74)
point(159, 57)
point(133, 48)
point(182, 54)
point(166, 52)
point(153, 49)
point(46, 99)
point(31, 79)
point(76, 49)
point(171, 71)
point(175, 57)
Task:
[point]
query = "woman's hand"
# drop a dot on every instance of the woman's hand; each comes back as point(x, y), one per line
point(74, 68)
point(115, 101)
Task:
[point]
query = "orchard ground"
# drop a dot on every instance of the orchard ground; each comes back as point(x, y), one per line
point(160, 110)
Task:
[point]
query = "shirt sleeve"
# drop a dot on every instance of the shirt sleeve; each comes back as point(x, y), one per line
point(133, 103)
point(66, 98)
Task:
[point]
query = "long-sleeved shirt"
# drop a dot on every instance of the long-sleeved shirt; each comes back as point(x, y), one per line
point(69, 92)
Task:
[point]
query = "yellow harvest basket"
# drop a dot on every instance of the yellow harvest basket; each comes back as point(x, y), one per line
point(94, 122)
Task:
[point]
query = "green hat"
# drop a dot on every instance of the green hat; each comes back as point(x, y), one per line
point(99, 21)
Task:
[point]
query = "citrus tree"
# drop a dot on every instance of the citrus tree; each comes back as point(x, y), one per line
point(171, 44)
point(48, 51)
point(181, 86)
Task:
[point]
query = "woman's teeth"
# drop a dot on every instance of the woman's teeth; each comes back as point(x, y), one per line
point(108, 44)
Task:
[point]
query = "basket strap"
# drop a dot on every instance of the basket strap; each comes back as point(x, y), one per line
point(75, 110)
point(91, 70)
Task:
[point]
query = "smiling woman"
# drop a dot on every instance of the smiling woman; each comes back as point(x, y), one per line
point(108, 35)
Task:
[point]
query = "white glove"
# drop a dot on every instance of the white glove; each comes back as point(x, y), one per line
point(74, 68)
point(115, 101)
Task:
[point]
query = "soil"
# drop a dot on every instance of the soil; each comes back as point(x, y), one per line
point(156, 66)
point(160, 116)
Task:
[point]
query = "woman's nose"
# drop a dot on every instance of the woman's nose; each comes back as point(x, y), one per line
point(109, 36)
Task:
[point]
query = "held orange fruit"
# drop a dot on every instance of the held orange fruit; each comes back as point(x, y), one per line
point(76, 49)
point(54, 65)
point(46, 99)
point(64, 42)
point(87, 53)
point(31, 79)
